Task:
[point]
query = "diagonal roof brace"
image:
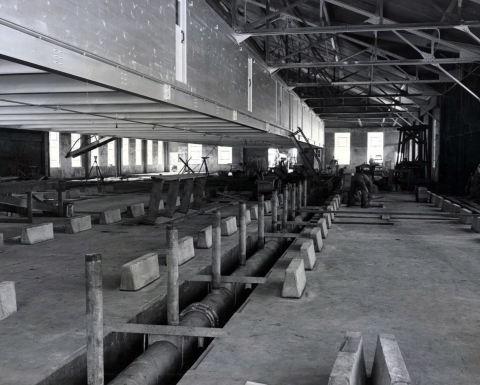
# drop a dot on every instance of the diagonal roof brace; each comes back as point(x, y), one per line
point(89, 147)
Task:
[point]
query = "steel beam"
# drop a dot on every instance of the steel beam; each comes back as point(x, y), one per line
point(370, 83)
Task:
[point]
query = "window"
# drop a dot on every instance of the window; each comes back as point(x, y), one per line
point(111, 153)
point(54, 144)
point(76, 142)
point(342, 148)
point(160, 153)
point(224, 155)
point(195, 153)
point(181, 41)
point(125, 152)
point(375, 147)
point(250, 84)
point(149, 152)
point(138, 152)
point(94, 156)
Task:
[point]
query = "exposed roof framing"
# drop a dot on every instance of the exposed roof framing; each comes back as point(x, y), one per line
point(388, 55)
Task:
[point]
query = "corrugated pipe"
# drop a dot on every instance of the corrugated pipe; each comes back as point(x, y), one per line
point(163, 359)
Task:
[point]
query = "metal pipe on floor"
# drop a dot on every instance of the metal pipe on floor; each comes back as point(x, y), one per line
point(173, 297)
point(261, 221)
point(93, 278)
point(216, 249)
point(242, 234)
point(274, 202)
point(285, 207)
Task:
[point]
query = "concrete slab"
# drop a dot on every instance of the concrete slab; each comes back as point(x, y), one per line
point(268, 207)
point(433, 199)
point(307, 253)
point(349, 367)
point(204, 238)
point(316, 236)
point(78, 224)
point(248, 216)
point(187, 250)
point(439, 202)
point(136, 210)
point(110, 216)
point(140, 272)
point(446, 204)
point(328, 219)
point(467, 220)
point(254, 212)
point(8, 299)
point(455, 209)
point(322, 223)
point(332, 215)
point(229, 226)
point(388, 365)
point(37, 233)
point(476, 224)
point(295, 279)
point(161, 205)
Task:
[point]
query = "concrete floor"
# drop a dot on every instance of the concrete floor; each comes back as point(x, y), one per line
point(48, 331)
point(418, 279)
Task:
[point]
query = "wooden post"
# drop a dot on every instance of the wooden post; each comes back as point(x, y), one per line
point(294, 200)
point(216, 249)
point(285, 207)
point(305, 192)
point(155, 197)
point(261, 221)
point(60, 190)
point(173, 297)
point(30, 206)
point(243, 234)
point(274, 202)
point(300, 195)
point(93, 278)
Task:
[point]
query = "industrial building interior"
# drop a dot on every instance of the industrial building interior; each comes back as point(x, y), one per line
point(239, 192)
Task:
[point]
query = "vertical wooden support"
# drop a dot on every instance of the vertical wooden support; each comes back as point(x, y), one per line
point(93, 277)
point(274, 202)
point(243, 233)
point(186, 196)
point(285, 206)
point(173, 296)
point(155, 197)
point(30, 206)
point(216, 249)
point(261, 221)
point(198, 189)
point(294, 200)
point(300, 195)
point(305, 191)
point(62, 186)
point(172, 197)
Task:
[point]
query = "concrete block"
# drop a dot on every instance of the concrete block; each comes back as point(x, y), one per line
point(295, 279)
point(140, 272)
point(439, 202)
point(179, 202)
point(161, 205)
point(2, 244)
point(322, 223)
point(110, 216)
point(349, 367)
point(332, 215)
point(280, 199)
point(248, 217)
point(8, 299)
point(268, 206)
point(476, 224)
point(388, 365)
point(446, 205)
point(328, 219)
point(205, 238)
point(229, 226)
point(37, 233)
point(72, 194)
point(186, 250)
point(433, 198)
point(464, 219)
point(77, 224)
point(136, 210)
point(107, 189)
point(316, 236)
point(455, 209)
point(307, 253)
point(254, 212)
point(91, 191)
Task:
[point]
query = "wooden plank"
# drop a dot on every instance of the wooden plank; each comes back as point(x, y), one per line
point(184, 331)
point(177, 177)
point(26, 186)
point(282, 235)
point(226, 279)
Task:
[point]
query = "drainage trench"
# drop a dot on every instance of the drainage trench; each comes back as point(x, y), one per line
point(163, 360)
